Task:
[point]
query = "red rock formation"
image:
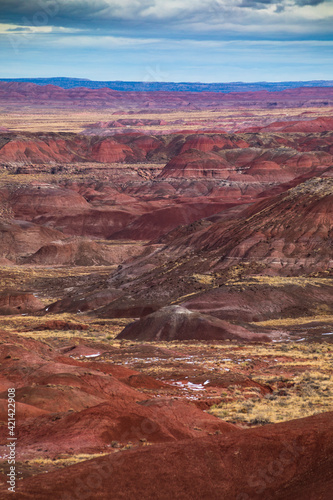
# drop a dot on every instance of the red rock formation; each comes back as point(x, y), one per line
point(110, 151)
point(152, 225)
point(194, 163)
point(19, 303)
point(206, 143)
point(322, 124)
point(32, 201)
point(82, 253)
point(20, 238)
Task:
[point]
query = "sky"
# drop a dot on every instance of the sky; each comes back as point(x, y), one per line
point(167, 40)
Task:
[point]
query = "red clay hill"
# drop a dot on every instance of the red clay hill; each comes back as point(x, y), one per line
point(289, 461)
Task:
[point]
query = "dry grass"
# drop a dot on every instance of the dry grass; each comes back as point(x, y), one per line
point(64, 461)
point(281, 281)
point(298, 377)
point(284, 322)
point(311, 393)
point(101, 330)
point(205, 279)
point(294, 395)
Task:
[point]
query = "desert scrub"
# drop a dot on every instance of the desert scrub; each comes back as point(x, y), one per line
point(304, 395)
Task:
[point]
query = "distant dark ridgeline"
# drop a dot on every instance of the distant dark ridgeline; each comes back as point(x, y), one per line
point(67, 83)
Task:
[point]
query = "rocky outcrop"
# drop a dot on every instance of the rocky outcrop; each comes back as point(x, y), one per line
point(19, 303)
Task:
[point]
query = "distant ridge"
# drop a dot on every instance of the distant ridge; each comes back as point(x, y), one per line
point(18, 93)
point(67, 83)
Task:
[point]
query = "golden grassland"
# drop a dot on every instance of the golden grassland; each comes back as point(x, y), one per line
point(280, 281)
point(310, 393)
point(57, 119)
point(284, 322)
point(27, 326)
point(302, 385)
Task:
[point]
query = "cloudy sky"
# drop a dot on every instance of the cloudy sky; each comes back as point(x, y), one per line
point(167, 40)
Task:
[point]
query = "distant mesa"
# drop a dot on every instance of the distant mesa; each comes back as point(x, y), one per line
point(178, 323)
point(170, 97)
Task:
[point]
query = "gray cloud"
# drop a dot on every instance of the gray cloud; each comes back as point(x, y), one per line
point(18, 30)
point(68, 12)
point(308, 2)
point(151, 18)
point(280, 5)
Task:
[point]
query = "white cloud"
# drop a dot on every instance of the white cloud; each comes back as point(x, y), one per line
point(104, 42)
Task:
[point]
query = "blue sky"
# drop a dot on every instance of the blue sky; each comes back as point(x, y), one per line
point(167, 40)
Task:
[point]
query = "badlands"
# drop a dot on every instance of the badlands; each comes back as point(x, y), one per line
point(166, 302)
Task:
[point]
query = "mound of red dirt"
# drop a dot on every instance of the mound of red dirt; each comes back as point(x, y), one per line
point(97, 427)
point(277, 164)
point(19, 303)
point(100, 223)
point(41, 199)
point(178, 323)
point(21, 238)
point(322, 124)
point(28, 345)
point(82, 253)
point(23, 411)
point(195, 163)
point(142, 381)
point(70, 406)
point(110, 151)
point(54, 399)
point(205, 142)
point(288, 461)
